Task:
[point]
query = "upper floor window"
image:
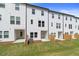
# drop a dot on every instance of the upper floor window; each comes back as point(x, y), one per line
point(17, 20)
point(66, 17)
point(70, 18)
point(43, 23)
point(58, 16)
point(39, 23)
point(2, 5)
point(0, 17)
point(17, 6)
point(52, 15)
point(58, 25)
point(6, 34)
point(31, 21)
point(70, 26)
point(75, 26)
point(33, 11)
point(42, 13)
point(51, 24)
point(76, 20)
point(12, 20)
point(65, 25)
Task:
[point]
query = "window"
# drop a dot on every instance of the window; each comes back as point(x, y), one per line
point(31, 35)
point(52, 15)
point(31, 21)
point(39, 23)
point(51, 24)
point(6, 34)
point(0, 34)
point(35, 34)
point(42, 13)
point(12, 20)
point(70, 26)
point(76, 20)
point(75, 26)
point(70, 18)
point(76, 33)
point(78, 27)
point(65, 25)
point(0, 17)
point(43, 23)
point(2, 5)
point(58, 25)
point(71, 32)
point(58, 16)
point(17, 20)
point(66, 17)
point(33, 11)
point(66, 32)
point(17, 6)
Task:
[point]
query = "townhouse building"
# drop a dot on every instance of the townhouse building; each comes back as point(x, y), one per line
point(21, 21)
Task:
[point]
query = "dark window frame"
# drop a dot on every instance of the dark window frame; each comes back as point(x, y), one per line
point(6, 35)
point(31, 21)
point(42, 13)
point(33, 11)
point(12, 20)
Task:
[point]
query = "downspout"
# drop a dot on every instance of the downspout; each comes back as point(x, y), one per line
point(26, 25)
point(63, 26)
point(48, 23)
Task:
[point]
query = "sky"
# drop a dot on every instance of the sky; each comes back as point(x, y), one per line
point(69, 8)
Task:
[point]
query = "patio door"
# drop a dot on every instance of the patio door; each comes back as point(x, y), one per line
point(60, 35)
point(43, 34)
point(19, 34)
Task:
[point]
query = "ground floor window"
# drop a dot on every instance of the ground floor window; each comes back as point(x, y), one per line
point(0, 34)
point(33, 35)
point(71, 32)
point(6, 34)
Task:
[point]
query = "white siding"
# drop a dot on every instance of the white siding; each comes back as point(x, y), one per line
point(5, 25)
point(34, 27)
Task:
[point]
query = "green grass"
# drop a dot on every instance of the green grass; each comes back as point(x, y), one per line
point(65, 48)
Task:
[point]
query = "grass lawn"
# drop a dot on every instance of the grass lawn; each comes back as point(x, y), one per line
point(65, 48)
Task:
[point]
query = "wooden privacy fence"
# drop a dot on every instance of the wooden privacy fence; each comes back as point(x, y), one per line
point(67, 36)
point(76, 36)
point(52, 37)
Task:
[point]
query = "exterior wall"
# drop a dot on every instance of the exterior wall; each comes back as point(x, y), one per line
point(76, 34)
point(5, 25)
point(34, 27)
point(54, 21)
point(25, 14)
point(66, 28)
